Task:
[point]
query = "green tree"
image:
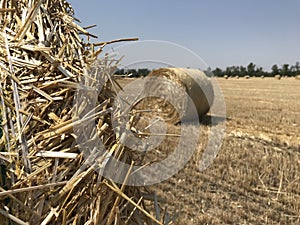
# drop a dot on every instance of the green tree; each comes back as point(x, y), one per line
point(275, 70)
point(143, 72)
point(218, 72)
point(297, 69)
point(243, 71)
point(251, 69)
point(285, 71)
point(236, 71)
point(259, 72)
point(229, 71)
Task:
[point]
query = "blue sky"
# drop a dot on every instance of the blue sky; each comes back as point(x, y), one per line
point(222, 33)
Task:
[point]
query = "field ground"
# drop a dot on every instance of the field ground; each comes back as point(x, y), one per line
point(255, 179)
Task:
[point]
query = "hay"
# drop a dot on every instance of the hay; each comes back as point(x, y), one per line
point(178, 84)
point(278, 77)
point(247, 77)
point(45, 178)
point(226, 77)
point(297, 77)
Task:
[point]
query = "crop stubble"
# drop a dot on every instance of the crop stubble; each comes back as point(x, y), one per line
point(255, 177)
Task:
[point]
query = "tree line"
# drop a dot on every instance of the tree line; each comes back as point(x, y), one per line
point(133, 72)
point(251, 70)
point(256, 71)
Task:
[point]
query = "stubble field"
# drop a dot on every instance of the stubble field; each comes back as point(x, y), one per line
point(255, 179)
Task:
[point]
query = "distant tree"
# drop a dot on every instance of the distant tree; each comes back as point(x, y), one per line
point(275, 70)
point(229, 71)
point(236, 71)
point(292, 71)
point(143, 72)
point(251, 69)
point(285, 71)
point(120, 72)
point(218, 72)
point(209, 72)
point(295, 70)
point(133, 72)
point(259, 72)
point(243, 71)
point(297, 67)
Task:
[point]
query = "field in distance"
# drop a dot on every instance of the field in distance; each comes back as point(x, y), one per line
point(255, 178)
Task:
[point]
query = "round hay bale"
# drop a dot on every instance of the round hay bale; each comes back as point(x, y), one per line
point(237, 77)
point(278, 77)
point(226, 77)
point(297, 77)
point(180, 85)
point(247, 77)
point(262, 77)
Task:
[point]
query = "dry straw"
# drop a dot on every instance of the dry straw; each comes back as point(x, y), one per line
point(176, 83)
point(278, 77)
point(45, 178)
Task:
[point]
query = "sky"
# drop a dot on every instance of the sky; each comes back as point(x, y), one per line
point(222, 33)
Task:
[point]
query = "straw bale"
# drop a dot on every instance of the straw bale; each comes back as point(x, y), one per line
point(176, 84)
point(45, 177)
point(278, 77)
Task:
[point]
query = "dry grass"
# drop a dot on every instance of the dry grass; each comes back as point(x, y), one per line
point(47, 179)
point(47, 175)
point(255, 178)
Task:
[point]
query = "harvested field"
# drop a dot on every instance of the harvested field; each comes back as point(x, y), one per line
point(67, 154)
point(255, 178)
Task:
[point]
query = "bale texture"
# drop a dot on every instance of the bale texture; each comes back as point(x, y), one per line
point(44, 177)
point(178, 84)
